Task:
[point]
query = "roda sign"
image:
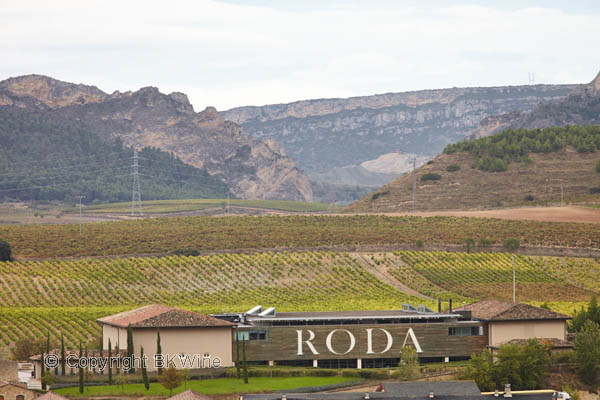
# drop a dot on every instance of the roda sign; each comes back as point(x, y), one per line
point(307, 337)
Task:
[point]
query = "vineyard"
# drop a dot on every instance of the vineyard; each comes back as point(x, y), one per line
point(164, 235)
point(67, 296)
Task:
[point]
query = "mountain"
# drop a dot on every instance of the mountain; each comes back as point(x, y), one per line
point(324, 134)
point(580, 107)
point(252, 168)
point(511, 168)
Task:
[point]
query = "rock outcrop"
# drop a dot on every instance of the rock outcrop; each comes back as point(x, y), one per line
point(330, 133)
point(251, 167)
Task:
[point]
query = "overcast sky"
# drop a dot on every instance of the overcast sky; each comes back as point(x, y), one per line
point(244, 52)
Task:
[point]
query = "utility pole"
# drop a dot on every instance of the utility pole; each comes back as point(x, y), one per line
point(414, 184)
point(136, 196)
point(514, 281)
point(80, 213)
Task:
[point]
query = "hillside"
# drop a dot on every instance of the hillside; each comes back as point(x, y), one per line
point(66, 296)
point(580, 107)
point(251, 168)
point(324, 134)
point(44, 157)
point(492, 172)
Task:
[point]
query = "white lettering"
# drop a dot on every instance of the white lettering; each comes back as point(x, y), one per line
point(413, 337)
point(311, 336)
point(330, 336)
point(390, 341)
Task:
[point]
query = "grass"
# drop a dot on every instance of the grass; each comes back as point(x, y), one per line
point(188, 205)
point(209, 386)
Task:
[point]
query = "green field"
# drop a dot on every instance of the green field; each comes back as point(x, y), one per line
point(164, 235)
point(67, 296)
point(209, 386)
point(189, 205)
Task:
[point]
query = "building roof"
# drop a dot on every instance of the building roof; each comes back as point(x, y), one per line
point(333, 315)
point(189, 395)
point(19, 385)
point(496, 310)
point(442, 388)
point(51, 396)
point(159, 316)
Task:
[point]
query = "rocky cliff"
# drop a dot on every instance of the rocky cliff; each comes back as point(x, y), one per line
point(251, 167)
point(580, 107)
point(327, 133)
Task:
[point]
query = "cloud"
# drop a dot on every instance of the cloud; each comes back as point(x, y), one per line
point(227, 54)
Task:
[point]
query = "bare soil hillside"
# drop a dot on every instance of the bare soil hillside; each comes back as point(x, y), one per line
point(468, 188)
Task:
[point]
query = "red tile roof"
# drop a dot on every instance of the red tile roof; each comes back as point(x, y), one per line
point(495, 310)
point(159, 316)
point(189, 395)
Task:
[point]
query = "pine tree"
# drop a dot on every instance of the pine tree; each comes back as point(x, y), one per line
point(117, 355)
point(80, 369)
point(130, 351)
point(62, 354)
point(110, 380)
point(244, 361)
point(144, 372)
point(43, 369)
point(158, 349)
point(237, 355)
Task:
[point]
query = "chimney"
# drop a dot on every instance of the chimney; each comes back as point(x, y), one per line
point(450, 306)
point(439, 305)
point(431, 396)
point(283, 397)
point(367, 396)
point(496, 393)
point(507, 392)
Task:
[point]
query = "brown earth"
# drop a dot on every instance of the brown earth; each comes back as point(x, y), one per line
point(522, 185)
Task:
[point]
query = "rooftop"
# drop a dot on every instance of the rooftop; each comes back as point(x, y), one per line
point(495, 310)
point(159, 316)
point(333, 315)
point(189, 395)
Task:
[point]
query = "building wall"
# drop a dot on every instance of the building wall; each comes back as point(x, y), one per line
point(282, 341)
point(503, 331)
point(216, 342)
point(117, 336)
point(10, 392)
point(9, 371)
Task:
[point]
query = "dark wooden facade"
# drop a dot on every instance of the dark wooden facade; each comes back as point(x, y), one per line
point(281, 342)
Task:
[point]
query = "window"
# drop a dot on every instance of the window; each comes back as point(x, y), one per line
point(465, 331)
point(252, 335)
point(20, 397)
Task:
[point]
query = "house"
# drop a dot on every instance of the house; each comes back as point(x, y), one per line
point(188, 339)
point(14, 391)
point(507, 321)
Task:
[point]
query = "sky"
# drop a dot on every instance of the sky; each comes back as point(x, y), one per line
point(243, 52)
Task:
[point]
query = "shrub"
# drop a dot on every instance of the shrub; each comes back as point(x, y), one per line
point(187, 252)
point(5, 251)
point(484, 242)
point(528, 197)
point(429, 162)
point(453, 168)
point(377, 195)
point(431, 176)
point(419, 243)
point(598, 166)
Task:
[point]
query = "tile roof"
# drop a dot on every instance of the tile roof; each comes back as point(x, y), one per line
point(51, 396)
point(159, 316)
point(189, 395)
point(495, 310)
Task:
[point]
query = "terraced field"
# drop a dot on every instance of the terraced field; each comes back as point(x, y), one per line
point(164, 235)
point(69, 295)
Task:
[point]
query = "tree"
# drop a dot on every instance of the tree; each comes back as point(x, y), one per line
point(598, 166)
point(144, 372)
point(592, 313)
point(80, 369)
point(117, 354)
point(481, 370)
point(186, 376)
point(121, 380)
point(158, 349)
point(43, 369)
point(587, 352)
point(408, 367)
point(110, 379)
point(5, 251)
point(130, 351)
point(237, 354)
point(43, 363)
point(170, 379)
point(62, 354)
point(535, 359)
point(469, 243)
point(245, 364)
point(47, 379)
